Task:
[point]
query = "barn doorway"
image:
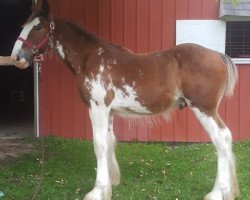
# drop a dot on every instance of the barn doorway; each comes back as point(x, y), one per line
point(16, 86)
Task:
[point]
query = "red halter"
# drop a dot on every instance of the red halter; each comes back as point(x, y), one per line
point(48, 39)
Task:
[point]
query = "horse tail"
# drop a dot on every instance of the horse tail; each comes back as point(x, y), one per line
point(232, 75)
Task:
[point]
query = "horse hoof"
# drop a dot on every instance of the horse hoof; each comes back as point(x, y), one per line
point(222, 193)
point(214, 195)
point(218, 196)
point(95, 194)
point(98, 194)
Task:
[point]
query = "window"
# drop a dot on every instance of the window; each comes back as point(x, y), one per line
point(238, 39)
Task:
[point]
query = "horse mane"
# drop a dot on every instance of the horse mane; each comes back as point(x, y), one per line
point(79, 27)
point(90, 36)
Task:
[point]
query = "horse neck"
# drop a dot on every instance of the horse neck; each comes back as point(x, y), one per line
point(73, 43)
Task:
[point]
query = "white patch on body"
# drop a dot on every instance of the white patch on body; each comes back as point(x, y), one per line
point(60, 50)
point(78, 69)
point(24, 34)
point(123, 80)
point(125, 99)
point(109, 67)
point(100, 51)
point(98, 92)
point(101, 69)
point(112, 61)
point(126, 102)
point(140, 72)
point(70, 60)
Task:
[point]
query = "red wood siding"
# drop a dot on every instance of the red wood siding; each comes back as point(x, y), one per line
point(142, 26)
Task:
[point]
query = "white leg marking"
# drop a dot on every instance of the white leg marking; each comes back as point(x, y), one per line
point(99, 115)
point(114, 170)
point(100, 51)
point(99, 118)
point(24, 34)
point(226, 187)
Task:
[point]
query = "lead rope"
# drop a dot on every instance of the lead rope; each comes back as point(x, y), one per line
point(38, 188)
point(40, 59)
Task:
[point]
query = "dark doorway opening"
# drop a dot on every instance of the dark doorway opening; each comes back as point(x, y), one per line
point(16, 86)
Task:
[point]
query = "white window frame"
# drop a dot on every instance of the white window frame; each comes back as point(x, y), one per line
point(241, 61)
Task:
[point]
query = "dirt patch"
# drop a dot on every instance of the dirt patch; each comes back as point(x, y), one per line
point(13, 148)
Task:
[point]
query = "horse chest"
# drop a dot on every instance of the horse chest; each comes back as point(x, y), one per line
point(122, 100)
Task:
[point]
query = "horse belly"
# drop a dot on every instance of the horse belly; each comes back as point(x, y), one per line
point(126, 102)
point(131, 102)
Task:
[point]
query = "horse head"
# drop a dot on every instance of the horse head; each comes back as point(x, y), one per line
point(35, 37)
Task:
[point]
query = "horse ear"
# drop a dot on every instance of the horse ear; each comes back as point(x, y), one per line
point(36, 5)
point(45, 7)
point(40, 5)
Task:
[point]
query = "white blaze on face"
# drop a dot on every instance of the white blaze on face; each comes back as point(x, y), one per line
point(24, 34)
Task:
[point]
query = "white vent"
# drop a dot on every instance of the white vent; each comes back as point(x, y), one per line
point(208, 33)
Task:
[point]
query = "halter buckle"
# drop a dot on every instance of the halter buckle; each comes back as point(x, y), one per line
point(52, 25)
point(34, 50)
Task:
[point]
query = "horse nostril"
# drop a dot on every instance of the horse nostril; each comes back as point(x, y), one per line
point(18, 58)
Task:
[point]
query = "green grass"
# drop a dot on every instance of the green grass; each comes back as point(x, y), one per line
point(149, 171)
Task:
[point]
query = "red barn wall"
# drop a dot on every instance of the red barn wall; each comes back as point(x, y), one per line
point(142, 26)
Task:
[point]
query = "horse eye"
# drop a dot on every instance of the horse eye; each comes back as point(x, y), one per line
point(37, 27)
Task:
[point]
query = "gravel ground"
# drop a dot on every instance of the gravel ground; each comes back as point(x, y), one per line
point(13, 148)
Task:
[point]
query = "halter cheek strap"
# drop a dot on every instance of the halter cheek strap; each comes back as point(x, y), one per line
point(34, 48)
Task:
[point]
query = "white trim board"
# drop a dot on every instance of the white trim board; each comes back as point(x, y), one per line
point(241, 61)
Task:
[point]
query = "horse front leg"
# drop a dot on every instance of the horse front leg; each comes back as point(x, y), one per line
point(99, 115)
point(114, 170)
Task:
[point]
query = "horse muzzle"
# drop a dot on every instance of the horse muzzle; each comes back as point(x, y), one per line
point(22, 59)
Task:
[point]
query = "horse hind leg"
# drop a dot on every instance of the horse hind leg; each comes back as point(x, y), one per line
point(226, 185)
point(113, 166)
